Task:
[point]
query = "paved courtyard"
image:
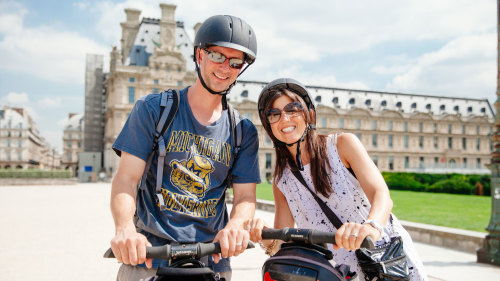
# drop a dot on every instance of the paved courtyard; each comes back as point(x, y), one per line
point(61, 232)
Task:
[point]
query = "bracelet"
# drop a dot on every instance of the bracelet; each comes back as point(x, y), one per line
point(268, 250)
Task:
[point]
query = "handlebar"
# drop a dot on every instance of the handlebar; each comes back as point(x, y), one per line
point(310, 236)
point(191, 250)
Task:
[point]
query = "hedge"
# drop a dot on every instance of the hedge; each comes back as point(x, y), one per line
point(441, 183)
point(18, 173)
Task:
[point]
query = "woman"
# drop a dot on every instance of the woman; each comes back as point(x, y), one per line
point(337, 168)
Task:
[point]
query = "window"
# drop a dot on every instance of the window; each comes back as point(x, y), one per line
point(477, 130)
point(420, 127)
point(389, 126)
point(391, 163)
point(317, 98)
point(450, 143)
point(374, 124)
point(421, 162)
point(179, 69)
point(390, 141)
point(358, 124)
point(335, 100)
point(368, 102)
point(464, 143)
point(463, 129)
point(244, 94)
point(375, 160)
point(421, 141)
point(70, 136)
point(405, 139)
point(374, 140)
point(131, 94)
point(155, 81)
point(407, 162)
point(449, 128)
point(456, 108)
point(399, 104)
point(20, 143)
point(79, 144)
point(131, 80)
point(268, 160)
point(435, 128)
point(341, 123)
point(405, 126)
point(155, 91)
point(442, 107)
point(69, 156)
point(358, 135)
point(428, 106)
point(268, 140)
point(383, 103)
point(69, 144)
point(435, 142)
point(465, 163)
point(179, 83)
point(436, 161)
point(323, 122)
point(352, 101)
point(249, 116)
point(414, 105)
point(478, 144)
point(478, 163)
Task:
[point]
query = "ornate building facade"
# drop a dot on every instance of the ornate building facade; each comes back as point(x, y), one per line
point(21, 145)
point(154, 55)
point(402, 132)
point(72, 143)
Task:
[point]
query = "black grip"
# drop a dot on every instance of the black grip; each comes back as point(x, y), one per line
point(209, 248)
point(271, 233)
point(158, 252)
point(368, 243)
point(320, 237)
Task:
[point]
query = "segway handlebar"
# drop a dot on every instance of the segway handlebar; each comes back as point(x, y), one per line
point(188, 250)
point(309, 236)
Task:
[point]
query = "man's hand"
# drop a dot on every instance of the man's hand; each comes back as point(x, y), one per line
point(129, 247)
point(233, 240)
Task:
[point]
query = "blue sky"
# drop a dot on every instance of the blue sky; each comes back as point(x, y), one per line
point(444, 48)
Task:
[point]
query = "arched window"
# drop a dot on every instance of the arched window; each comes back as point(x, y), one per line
point(244, 94)
point(399, 104)
point(352, 101)
point(368, 102)
point(335, 100)
point(383, 103)
point(428, 106)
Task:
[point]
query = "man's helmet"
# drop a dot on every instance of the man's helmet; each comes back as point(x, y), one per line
point(230, 32)
point(227, 31)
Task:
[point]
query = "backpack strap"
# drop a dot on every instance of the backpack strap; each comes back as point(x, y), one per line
point(237, 137)
point(169, 104)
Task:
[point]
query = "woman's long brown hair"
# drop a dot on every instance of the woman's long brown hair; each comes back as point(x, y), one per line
point(315, 145)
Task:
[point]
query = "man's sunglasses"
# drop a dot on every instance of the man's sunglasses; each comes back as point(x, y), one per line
point(217, 57)
point(292, 109)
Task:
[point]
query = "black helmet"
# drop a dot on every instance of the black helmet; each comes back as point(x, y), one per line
point(227, 31)
point(296, 87)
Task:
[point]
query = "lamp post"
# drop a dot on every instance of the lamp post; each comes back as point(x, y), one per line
point(490, 253)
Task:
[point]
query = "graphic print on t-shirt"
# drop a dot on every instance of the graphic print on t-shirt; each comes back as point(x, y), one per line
point(192, 176)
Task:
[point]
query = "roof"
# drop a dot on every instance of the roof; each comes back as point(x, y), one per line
point(376, 100)
point(75, 122)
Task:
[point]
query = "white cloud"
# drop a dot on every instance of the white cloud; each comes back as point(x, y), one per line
point(15, 99)
point(43, 51)
point(50, 102)
point(464, 67)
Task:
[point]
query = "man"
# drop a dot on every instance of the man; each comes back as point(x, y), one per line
point(198, 161)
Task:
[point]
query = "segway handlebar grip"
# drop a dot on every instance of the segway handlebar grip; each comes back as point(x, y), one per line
point(271, 233)
point(368, 243)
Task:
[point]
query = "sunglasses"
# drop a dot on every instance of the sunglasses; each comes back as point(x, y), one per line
point(292, 109)
point(217, 57)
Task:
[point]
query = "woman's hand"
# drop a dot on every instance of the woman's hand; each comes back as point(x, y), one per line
point(350, 235)
point(255, 227)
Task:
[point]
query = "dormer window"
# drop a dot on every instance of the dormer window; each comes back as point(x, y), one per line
point(469, 109)
point(442, 107)
point(244, 94)
point(317, 98)
point(456, 108)
point(483, 109)
point(352, 101)
point(428, 106)
point(383, 103)
point(399, 104)
point(414, 105)
point(335, 100)
point(368, 102)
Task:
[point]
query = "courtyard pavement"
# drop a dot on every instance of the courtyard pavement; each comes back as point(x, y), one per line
point(61, 232)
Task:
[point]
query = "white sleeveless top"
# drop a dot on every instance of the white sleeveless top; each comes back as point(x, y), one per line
point(348, 201)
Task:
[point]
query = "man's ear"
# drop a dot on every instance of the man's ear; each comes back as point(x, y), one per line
point(198, 55)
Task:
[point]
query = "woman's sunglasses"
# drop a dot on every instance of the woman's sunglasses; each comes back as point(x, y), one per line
point(292, 109)
point(217, 57)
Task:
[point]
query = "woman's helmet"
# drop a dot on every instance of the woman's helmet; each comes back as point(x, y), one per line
point(266, 96)
point(226, 31)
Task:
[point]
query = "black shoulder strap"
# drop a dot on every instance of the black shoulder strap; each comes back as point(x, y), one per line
point(237, 136)
point(327, 210)
point(169, 104)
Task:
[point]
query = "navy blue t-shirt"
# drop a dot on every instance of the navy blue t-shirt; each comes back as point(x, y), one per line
point(198, 159)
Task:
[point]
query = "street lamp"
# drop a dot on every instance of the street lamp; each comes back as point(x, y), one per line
point(490, 253)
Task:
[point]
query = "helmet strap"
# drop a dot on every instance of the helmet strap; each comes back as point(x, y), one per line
point(298, 158)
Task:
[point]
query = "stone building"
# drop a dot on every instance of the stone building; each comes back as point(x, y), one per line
point(72, 142)
point(155, 54)
point(402, 132)
point(21, 145)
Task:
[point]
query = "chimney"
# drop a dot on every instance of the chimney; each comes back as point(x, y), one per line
point(167, 26)
point(129, 31)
